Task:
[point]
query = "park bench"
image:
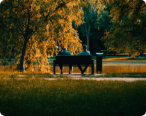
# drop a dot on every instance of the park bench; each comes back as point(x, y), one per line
point(76, 60)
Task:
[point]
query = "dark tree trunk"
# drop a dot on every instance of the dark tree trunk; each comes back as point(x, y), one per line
point(22, 67)
point(88, 42)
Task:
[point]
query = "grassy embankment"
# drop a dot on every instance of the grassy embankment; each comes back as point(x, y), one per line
point(40, 97)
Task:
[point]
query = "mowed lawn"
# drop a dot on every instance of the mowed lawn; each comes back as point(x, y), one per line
point(65, 97)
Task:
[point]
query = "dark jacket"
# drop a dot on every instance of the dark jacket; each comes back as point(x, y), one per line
point(65, 52)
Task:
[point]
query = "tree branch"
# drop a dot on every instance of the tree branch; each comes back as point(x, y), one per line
point(28, 23)
point(60, 6)
point(19, 28)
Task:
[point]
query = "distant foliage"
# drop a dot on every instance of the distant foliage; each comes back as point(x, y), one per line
point(129, 27)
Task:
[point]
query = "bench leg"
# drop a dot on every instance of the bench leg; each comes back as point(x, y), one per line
point(70, 68)
point(61, 66)
point(86, 66)
point(93, 67)
point(80, 68)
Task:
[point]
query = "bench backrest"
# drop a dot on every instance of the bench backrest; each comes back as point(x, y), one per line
point(73, 58)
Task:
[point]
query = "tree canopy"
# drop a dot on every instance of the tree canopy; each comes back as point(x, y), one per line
point(129, 27)
point(36, 27)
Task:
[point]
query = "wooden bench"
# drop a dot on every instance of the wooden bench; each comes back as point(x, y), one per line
point(77, 60)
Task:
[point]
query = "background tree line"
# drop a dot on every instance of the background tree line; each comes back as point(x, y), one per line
point(34, 28)
point(128, 31)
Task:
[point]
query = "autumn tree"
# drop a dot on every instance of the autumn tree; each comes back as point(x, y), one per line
point(35, 27)
point(129, 27)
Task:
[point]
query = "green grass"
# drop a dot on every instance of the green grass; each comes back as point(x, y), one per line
point(135, 75)
point(113, 75)
point(40, 97)
point(53, 58)
point(138, 59)
point(115, 58)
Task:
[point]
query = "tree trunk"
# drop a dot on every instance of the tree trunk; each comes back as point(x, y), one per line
point(88, 34)
point(22, 67)
point(88, 43)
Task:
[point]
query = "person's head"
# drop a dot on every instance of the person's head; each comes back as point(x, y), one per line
point(85, 47)
point(64, 48)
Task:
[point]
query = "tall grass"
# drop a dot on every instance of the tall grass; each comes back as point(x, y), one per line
point(40, 97)
point(106, 68)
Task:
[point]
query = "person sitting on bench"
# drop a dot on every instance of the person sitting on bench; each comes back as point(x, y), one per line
point(65, 52)
point(84, 52)
point(59, 51)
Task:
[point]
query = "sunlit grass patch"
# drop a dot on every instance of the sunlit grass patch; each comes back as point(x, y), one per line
point(25, 74)
point(10, 74)
point(106, 68)
point(124, 68)
point(114, 58)
point(37, 97)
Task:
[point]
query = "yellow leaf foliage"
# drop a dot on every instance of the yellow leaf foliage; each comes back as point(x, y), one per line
point(46, 24)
